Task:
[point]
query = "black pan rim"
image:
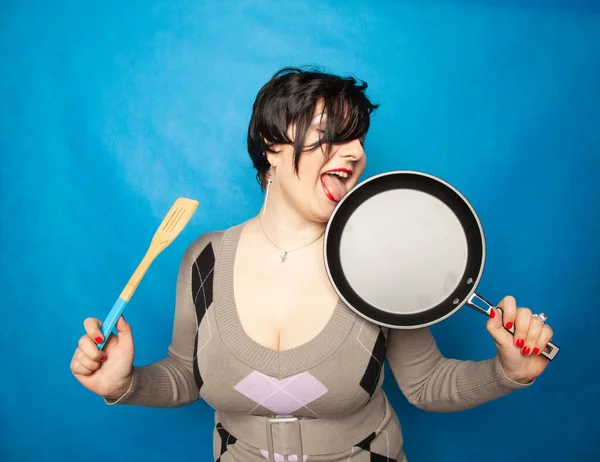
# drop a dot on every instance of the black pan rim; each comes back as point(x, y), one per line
point(454, 301)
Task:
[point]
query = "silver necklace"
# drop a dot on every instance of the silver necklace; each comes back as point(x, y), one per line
point(285, 252)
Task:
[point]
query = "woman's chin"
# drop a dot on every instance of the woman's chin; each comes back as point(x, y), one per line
point(325, 210)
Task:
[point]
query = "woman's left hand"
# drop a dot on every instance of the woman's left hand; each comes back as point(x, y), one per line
point(520, 355)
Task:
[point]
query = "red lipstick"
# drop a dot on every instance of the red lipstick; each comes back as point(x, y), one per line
point(344, 170)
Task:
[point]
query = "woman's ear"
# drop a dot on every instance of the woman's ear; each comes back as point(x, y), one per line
point(272, 158)
point(269, 155)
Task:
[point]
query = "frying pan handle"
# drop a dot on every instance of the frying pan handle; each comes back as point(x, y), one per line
point(485, 307)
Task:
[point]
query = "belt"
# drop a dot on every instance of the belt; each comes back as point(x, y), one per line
point(307, 436)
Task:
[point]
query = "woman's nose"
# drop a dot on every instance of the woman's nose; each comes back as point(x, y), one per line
point(352, 150)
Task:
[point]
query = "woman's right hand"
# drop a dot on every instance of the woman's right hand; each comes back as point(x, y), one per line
point(106, 372)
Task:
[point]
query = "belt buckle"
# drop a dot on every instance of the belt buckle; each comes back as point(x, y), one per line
point(298, 446)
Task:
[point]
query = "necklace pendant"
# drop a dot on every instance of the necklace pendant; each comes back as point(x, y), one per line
point(283, 257)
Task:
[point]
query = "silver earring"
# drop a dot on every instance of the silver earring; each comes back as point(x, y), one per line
point(269, 181)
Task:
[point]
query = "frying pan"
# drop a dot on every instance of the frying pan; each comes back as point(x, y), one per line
point(406, 250)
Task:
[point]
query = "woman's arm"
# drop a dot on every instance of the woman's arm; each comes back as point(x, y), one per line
point(434, 383)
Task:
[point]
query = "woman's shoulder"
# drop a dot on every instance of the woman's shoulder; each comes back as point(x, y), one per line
point(209, 242)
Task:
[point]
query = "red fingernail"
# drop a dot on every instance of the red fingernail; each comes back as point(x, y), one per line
point(536, 351)
point(526, 350)
point(509, 325)
point(98, 339)
point(520, 343)
point(492, 313)
point(103, 358)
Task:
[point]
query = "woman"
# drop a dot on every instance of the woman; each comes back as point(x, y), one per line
point(259, 332)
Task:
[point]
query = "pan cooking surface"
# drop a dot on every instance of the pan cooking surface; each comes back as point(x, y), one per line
point(403, 251)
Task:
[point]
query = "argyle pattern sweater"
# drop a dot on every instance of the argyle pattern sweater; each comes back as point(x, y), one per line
point(328, 379)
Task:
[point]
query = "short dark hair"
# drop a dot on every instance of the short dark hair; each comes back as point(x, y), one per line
point(290, 97)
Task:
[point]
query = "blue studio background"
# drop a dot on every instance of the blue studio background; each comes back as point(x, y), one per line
point(111, 110)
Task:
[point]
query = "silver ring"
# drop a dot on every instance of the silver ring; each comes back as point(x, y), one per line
point(542, 317)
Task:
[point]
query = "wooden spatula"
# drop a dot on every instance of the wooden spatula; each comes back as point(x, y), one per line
point(176, 219)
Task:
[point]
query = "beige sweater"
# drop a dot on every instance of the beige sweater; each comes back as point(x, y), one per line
point(332, 383)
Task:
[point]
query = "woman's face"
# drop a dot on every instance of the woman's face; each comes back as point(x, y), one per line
point(322, 180)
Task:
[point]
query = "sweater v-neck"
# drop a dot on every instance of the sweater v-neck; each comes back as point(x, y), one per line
point(263, 359)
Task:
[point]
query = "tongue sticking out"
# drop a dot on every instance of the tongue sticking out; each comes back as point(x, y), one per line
point(334, 186)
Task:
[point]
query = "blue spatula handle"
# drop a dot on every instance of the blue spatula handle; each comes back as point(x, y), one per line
point(108, 326)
